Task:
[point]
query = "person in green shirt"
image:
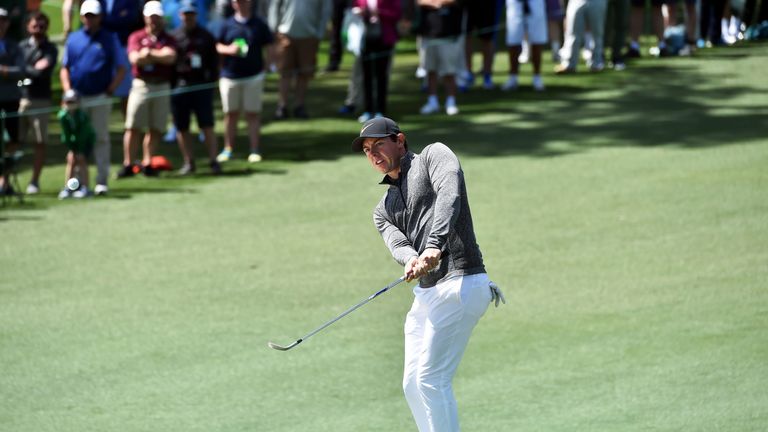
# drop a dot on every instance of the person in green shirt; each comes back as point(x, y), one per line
point(78, 136)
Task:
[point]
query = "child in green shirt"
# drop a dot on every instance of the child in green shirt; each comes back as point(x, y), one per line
point(79, 137)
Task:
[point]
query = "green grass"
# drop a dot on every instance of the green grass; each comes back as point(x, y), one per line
point(623, 214)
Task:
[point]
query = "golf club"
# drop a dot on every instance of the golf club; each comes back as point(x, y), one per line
point(345, 313)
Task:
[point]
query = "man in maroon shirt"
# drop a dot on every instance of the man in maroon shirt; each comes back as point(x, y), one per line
point(152, 53)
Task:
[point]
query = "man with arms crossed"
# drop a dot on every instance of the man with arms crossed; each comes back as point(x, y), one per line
point(425, 221)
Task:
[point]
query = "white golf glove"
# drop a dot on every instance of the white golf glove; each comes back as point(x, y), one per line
point(496, 294)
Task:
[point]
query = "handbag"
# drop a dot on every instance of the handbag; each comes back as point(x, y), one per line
point(352, 32)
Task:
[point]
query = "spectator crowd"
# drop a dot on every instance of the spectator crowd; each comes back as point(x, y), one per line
point(166, 59)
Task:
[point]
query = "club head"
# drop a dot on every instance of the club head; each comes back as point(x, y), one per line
point(275, 346)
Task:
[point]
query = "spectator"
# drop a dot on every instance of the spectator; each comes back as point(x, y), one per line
point(555, 16)
point(690, 19)
point(240, 42)
point(636, 22)
point(710, 22)
point(616, 21)
point(578, 15)
point(441, 28)
point(299, 25)
point(335, 46)
point(121, 17)
point(197, 68)
point(354, 97)
point(380, 17)
point(40, 57)
point(91, 65)
point(11, 71)
point(525, 17)
point(16, 15)
point(78, 136)
point(152, 53)
point(482, 21)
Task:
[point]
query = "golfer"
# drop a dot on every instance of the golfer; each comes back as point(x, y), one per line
point(425, 221)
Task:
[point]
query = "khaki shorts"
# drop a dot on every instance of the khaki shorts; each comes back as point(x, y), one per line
point(243, 94)
point(148, 106)
point(442, 55)
point(36, 122)
point(296, 56)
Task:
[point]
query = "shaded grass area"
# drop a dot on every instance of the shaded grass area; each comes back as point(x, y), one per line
point(709, 100)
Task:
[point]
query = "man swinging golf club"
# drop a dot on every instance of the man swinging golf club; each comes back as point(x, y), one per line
point(425, 221)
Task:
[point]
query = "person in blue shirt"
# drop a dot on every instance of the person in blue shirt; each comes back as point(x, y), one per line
point(92, 66)
point(239, 43)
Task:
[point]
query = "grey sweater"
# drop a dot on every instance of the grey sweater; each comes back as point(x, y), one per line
point(427, 207)
point(299, 18)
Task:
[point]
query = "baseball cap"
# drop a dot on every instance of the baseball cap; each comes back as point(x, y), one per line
point(188, 6)
point(378, 127)
point(3, 13)
point(70, 96)
point(90, 7)
point(153, 8)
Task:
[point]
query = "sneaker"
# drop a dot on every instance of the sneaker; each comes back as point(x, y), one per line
point(421, 72)
point(429, 108)
point(187, 169)
point(538, 84)
point(563, 69)
point(451, 109)
point(65, 193)
point(254, 158)
point(364, 117)
point(347, 109)
point(488, 82)
point(619, 66)
point(300, 112)
point(281, 113)
point(215, 167)
point(125, 171)
point(224, 156)
point(597, 67)
point(100, 189)
point(33, 189)
point(686, 50)
point(148, 171)
point(378, 115)
point(83, 192)
point(510, 85)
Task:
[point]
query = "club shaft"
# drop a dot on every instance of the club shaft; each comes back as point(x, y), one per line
point(355, 307)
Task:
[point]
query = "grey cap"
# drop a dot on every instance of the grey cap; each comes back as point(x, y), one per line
point(378, 127)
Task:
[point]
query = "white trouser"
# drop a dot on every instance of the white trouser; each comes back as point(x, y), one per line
point(437, 331)
point(580, 14)
point(99, 109)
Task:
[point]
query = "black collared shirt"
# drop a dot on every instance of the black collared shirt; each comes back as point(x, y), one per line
point(197, 61)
